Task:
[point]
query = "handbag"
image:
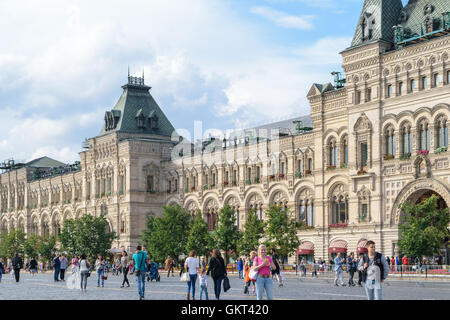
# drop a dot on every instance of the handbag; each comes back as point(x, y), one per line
point(104, 277)
point(253, 274)
point(226, 284)
point(185, 277)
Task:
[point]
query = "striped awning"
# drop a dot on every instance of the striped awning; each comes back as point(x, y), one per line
point(306, 248)
point(361, 247)
point(338, 246)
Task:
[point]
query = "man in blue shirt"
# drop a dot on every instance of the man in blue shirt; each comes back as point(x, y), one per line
point(140, 265)
point(338, 262)
point(240, 267)
point(56, 267)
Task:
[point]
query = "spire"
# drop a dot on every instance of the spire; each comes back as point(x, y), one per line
point(376, 21)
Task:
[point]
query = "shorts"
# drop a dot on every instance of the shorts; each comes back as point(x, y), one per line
point(276, 271)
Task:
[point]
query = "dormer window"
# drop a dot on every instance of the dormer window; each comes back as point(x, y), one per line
point(153, 120)
point(140, 119)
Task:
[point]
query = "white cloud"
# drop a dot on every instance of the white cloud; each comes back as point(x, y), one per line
point(284, 20)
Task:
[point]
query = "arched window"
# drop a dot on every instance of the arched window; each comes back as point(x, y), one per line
point(424, 136)
point(406, 136)
point(390, 142)
point(339, 206)
point(442, 132)
point(332, 153)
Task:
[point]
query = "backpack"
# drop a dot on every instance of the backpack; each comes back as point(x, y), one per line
point(377, 261)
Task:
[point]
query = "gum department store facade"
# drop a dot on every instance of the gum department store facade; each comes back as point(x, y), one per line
point(373, 140)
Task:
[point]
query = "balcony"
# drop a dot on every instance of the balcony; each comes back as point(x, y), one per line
point(405, 156)
point(338, 225)
point(388, 157)
point(440, 150)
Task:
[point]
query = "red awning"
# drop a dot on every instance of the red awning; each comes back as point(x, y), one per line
point(306, 248)
point(338, 246)
point(361, 247)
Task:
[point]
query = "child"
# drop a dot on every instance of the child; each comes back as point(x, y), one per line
point(204, 284)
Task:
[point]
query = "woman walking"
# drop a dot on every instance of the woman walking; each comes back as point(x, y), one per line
point(33, 266)
point(248, 266)
point(192, 265)
point(218, 271)
point(84, 271)
point(100, 268)
point(262, 263)
point(124, 268)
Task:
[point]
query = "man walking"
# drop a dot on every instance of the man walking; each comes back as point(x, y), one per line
point(140, 263)
point(351, 267)
point(17, 264)
point(56, 267)
point(375, 270)
point(360, 275)
point(63, 266)
point(240, 267)
point(338, 262)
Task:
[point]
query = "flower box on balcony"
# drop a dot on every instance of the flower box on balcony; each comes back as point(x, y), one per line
point(331, 167)
point(186, 190)
point(256, 180)
point(248, 181)
point(423, 152)
point(308, 172)
point(108, 194)
point(192, 188)
point(271, 177)
point(440, 150)
point(205, 187)
point(97, 195)
point(388, 157)
point(405, 156)
point(362, 171)
point(343, 165)
point(298, 174)
point(338, 225)
point(225, 183)
point(121, 192)
point(281, 175)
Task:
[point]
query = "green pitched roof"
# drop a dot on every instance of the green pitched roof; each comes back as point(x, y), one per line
point(44, 162)
point(376, 21)
point(136, 100)
point(413, 16)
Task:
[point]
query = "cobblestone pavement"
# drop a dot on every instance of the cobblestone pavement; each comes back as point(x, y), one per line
point(42, 287)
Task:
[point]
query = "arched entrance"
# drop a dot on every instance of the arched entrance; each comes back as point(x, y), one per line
point(418, 191)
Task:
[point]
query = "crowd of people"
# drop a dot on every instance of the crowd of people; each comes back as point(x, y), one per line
point(257, 270)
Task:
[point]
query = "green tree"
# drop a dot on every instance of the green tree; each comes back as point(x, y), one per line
point(199, 238)
point(167, 235)
point(11, 243)
point(47, 248)
point(31, 246)
point(423, 228)
point(281, 231)
point(227, 236)
point(252, 234)
point(88, 235)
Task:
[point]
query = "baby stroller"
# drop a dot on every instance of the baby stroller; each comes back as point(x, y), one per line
point(153, 273)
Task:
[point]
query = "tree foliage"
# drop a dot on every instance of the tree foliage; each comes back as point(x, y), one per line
point(199, 238)
point(47, 247)
point(423, 228)
point(88, 235)
point(227, 236)
point(12, 243)
point(252, 234)
point(167, 235)
point(281, 231)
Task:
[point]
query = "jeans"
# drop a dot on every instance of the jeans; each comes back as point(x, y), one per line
point(193, 278)
point(83, 279)
point(100, 273)
point(141, 284)
point(261, 285)
point(17, 274)
point(217, 286)
point(241, 274)
point(373, 292)
point(339, 274)
point(56, 274)
point(125, 278)
point(61, 273)
point(205, 289)
point(350, 279)
point(1, 274)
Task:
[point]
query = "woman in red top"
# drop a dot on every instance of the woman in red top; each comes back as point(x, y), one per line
point(262, 263)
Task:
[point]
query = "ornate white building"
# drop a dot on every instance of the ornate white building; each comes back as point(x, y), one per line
point(373, 140)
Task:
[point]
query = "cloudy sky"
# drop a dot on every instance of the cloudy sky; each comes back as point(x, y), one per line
point(227, 63)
